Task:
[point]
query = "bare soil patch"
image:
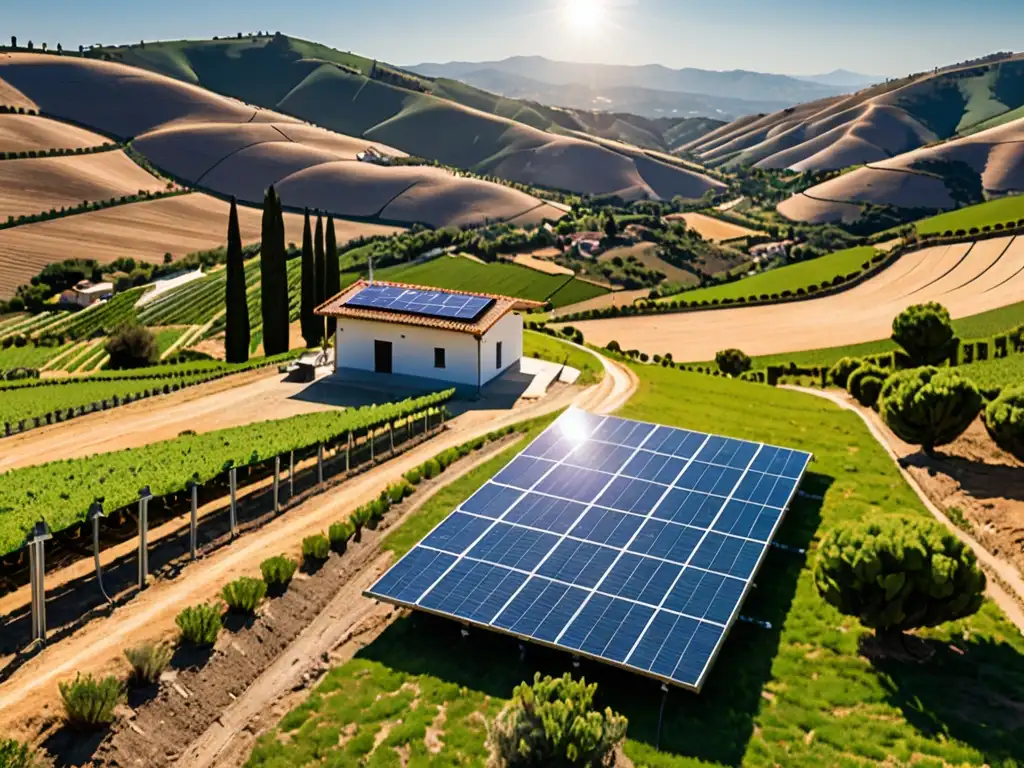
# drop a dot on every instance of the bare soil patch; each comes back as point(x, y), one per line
point(647, 255)
point(541, 264)
point(612, 299)
point(20, 133)
point(713, 229)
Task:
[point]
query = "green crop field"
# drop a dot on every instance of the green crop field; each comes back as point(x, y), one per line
point(29, 356)
point(992, 374)
point(788, 278)
point(1001, 211)
point(805, 692)
point(545, 347)
point(462, 274)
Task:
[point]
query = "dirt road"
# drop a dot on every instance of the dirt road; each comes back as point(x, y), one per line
point(29, 697)
point(1007, 589)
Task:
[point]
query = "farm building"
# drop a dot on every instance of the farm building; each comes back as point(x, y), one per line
point(460, 338)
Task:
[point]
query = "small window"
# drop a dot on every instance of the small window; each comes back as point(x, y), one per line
point(439, 357)
point(498, 355)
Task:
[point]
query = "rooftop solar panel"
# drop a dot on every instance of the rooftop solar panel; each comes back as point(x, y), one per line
point(451, 306)
point(627, 542)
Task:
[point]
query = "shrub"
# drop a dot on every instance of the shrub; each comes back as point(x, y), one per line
point(553, 723)
point(925, 332)
point(89, 703)
point(414, 476)
point(148, 661)
point(339, 533)
point(865, 383)
point(132, 346)
point(278, 571)
point(896, 574)
point(199, 624)
point(928, 406)
point(14, 754)
point(839, 374)
point(431, 469)
point(243, 595)
point(732, 362)
point(399, 491)
point(1004, 420)
point(1016, 337)
point(316, 547)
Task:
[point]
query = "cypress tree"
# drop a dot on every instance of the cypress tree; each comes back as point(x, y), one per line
point(321, 270)
point(307, 317)
point(333, 273)
point(273, 277)
point(236, 334)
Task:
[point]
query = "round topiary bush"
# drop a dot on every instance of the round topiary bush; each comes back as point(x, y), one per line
point(733, 361)
point(1004, 420)
point(896, 574)
point(839, 374)
point(928, 406)
point(925, 332)
point(865, 383)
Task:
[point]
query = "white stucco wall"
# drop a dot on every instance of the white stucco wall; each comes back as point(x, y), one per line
point(412, 349)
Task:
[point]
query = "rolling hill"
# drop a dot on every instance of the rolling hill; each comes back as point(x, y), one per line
point(441, 120)
point(874, 124)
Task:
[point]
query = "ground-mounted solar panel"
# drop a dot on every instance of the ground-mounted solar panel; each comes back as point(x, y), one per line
point(628, 542)
point(415, 301)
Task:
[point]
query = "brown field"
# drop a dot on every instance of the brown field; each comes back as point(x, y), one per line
point(531, 261)
point(800, 207)
point(966, 278)
point(647, 255)
point(145, 231)
point(20, 133)
point(41, 184)
point(611, 299)
point(714, 229)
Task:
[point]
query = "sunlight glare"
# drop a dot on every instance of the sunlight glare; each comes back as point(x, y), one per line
point(584, 16)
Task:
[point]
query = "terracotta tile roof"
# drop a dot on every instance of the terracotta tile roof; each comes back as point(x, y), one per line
point(337, 307)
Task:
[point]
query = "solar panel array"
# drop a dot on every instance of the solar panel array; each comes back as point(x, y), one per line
point(451, 306)
point(628, 542)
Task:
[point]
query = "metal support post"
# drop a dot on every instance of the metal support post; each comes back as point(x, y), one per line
point(369, 434)
point(144, 497)
point(233, 481)
point(277, 483)
point(95, 515)
point(391, 434)
point(426, 423)
point(291, 475)
point(320, 463)
point(37, 569)
point(348, 451)
point(193, 523)
point(661, 714)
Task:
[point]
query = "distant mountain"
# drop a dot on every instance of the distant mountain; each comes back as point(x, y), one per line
point(646, 102)
point(735, 84)
point(842, 78)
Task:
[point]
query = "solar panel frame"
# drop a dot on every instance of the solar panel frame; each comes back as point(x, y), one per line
point(550, 443)
point(422, 302)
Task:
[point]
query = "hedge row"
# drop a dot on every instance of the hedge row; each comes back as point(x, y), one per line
point(85, 206)
point(29, 154)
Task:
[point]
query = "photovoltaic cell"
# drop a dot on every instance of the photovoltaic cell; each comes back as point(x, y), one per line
point(628, 542)
point(413, 301)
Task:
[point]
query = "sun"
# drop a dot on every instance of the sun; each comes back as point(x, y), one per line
point(584, 16)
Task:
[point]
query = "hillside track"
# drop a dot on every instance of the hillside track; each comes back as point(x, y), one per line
point(968, 278)
point(29, 698)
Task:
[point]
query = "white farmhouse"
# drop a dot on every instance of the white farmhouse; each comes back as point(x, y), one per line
point(456, 337)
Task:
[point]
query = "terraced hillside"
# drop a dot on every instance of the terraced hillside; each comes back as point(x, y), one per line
point(442, 120)
point(229, 147)
point(967, 278)
point(874, 124)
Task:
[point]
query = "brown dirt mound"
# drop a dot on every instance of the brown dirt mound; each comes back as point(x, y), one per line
point(41, 184)
point(966, 278)
point(20, 133)
point(147, 230)
point(440, 200)
point(116, 99)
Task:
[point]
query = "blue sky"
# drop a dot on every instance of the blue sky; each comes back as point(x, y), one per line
point(890, 37)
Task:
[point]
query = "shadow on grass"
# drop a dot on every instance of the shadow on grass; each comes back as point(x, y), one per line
point(714, 725)
point(971, 691)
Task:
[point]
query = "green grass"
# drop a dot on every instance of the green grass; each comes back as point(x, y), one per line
point(461, 274)
point(545, 347)
point(1000, 211)
point(166, 337)
point(799, 694)
point(29, 356)
point(788, 278)
point(988, 374)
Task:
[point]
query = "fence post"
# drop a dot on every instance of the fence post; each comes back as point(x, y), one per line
point(95, 515)
point(320, 463)
point(144, 497)
point(369, 433)
point(193, 526)
point(391, 434)
point(426, 423)
point(277, 482)
point(37, 569)
point(348, 451)
point(291, 475)
point(233, 481)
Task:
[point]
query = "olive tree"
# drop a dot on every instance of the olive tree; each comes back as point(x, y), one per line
point(928, 406)
point(553, 723)
point(132, 346)
point(896, 574)
point(732, 362)
point(925, 332)
point(1004, 420)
